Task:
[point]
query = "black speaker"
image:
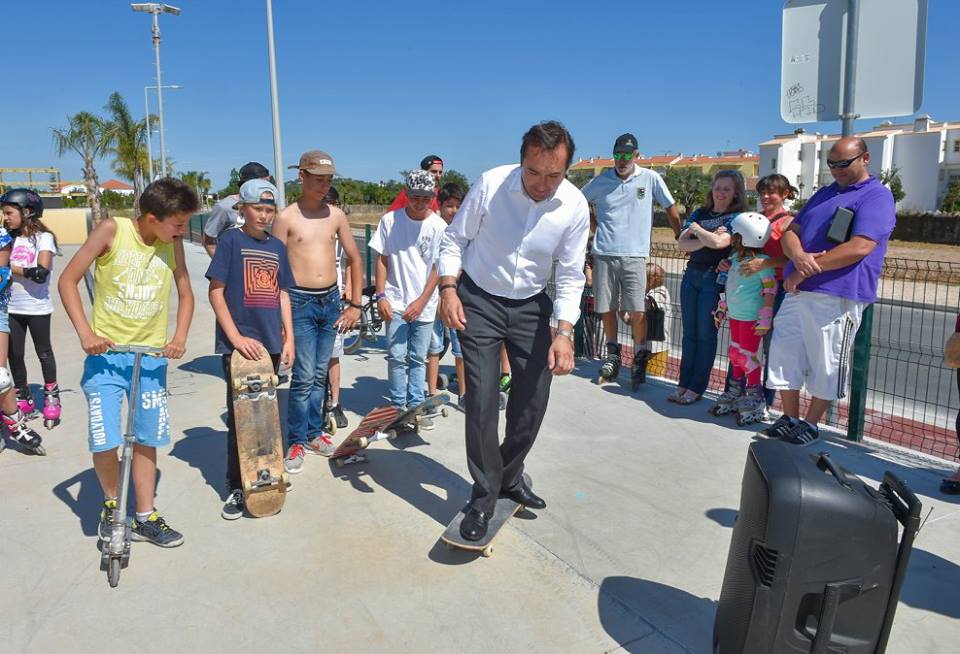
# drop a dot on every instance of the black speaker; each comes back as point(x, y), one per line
point(815, 563)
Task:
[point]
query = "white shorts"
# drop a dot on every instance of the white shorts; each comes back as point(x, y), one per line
point(337, 347)
point(812, 337)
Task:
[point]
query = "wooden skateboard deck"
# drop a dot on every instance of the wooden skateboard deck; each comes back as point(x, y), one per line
point(259, 442)
point(385, 422)
point(505, 509)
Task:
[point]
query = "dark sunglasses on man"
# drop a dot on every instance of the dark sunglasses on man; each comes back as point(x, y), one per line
point(843, 163)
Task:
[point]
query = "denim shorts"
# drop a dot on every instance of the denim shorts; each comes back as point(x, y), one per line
point(4, 321)
point(105, 382)
point(436, 340)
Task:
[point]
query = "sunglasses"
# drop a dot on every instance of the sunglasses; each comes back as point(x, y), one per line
point(843, 163)
point(623, 156)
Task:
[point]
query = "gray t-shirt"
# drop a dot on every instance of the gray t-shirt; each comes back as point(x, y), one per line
point(625, 210)
point(223, 217)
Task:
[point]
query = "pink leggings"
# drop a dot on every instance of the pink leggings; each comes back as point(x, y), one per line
point(746, 353)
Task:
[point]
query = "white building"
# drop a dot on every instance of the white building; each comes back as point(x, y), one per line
point(926, 154)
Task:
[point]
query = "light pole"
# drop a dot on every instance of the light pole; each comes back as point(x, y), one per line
point(146, 109)
point(156, 9)
point(275, 107)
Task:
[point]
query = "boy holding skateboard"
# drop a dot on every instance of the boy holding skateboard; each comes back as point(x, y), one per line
point(249, 277)
point(136, 259)
point(408, 243)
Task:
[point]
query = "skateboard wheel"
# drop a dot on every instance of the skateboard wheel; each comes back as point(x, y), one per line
point(443, 412)
point(332, 428)
point(339, 462)
point(237, 384)
point(276, 380)
point(363, 442)
point(486, 551)
point(391, 434)
point(246, 487)
point(284, 478)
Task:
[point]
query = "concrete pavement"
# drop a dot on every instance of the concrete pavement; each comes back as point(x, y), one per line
point(628, 556)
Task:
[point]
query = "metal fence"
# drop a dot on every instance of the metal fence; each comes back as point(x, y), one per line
point(909, 398)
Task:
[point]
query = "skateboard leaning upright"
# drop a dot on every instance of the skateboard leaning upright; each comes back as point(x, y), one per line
point(259, 443)
point(386, 422)
point(505, 509)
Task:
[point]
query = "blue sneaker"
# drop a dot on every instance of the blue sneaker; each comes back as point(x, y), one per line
point(156, 530)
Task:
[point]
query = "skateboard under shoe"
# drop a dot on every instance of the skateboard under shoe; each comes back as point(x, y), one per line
point(386, 422)
point(505, 509)
point(259, 443)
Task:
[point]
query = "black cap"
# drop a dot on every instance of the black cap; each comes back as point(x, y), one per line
point(625, 143)
point(429, 160)
point(253, 170)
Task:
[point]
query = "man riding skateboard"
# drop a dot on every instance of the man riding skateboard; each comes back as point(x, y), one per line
point(310, 228)
point(514, 223)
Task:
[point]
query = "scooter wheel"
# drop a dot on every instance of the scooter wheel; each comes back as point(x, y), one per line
point(113, 571)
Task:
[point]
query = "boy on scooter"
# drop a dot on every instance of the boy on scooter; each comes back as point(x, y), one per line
point(136, 259)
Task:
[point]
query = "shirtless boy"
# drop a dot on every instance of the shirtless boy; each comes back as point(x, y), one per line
point(310, 228)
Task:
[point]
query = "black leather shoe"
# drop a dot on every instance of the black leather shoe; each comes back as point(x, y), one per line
point(524, 496)
point(474, 525)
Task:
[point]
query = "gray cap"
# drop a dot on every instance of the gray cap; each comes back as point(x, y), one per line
point(251, 191)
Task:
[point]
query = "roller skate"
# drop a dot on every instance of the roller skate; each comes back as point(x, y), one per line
point(729, 399)
point(638, 372)
point(610, 367)
point(22, 434)
point(51, 405)
point(751, 408)
point(26, 404)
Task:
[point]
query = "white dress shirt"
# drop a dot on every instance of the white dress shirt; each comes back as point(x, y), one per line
point(507, 243)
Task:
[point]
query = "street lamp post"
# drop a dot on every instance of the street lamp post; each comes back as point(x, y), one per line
point(275, 107)
point(156, 9)
point(146, 109)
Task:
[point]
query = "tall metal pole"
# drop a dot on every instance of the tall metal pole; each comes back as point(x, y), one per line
point(850, 67)
point(275, 107)
point(146, 110)
point(156, 51)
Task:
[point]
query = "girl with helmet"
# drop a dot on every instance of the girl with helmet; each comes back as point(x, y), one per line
point(14, 203)
point(749, 302)
point(30, 308)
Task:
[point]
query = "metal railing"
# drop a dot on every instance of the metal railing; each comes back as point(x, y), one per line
point(910, 399)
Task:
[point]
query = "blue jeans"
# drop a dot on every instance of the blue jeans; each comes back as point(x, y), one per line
point(407, 344)
point(314, 334)
point(699, 295)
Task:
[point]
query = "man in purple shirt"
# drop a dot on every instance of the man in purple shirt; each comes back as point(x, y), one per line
point(830, 280)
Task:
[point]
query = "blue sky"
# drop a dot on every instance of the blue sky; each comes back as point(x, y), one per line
point(380, 84)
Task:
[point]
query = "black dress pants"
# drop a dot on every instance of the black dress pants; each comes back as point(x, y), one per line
point(524, 325)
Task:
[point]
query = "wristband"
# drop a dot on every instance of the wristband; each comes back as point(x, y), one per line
point(443, 287)
point(381, 296)
point(356, 306)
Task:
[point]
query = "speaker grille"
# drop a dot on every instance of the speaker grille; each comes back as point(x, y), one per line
point(764, 564)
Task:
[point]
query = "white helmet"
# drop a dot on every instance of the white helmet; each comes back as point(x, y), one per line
point(753, 228)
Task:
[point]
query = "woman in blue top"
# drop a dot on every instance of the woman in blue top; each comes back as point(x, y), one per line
point(706, 237)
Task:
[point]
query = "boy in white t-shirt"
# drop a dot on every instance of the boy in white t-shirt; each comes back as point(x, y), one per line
point(408, 243)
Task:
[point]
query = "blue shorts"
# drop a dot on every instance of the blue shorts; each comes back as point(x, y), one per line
point(106, 380)
point(4, 321)
point(436, 340)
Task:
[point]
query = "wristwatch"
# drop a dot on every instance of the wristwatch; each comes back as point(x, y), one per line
point(565, 332)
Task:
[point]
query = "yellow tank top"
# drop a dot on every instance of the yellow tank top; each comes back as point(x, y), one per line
point(132, 289)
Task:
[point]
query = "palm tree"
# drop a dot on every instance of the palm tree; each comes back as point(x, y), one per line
point(128, 142)
point(198, 181)
point(85, 134)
